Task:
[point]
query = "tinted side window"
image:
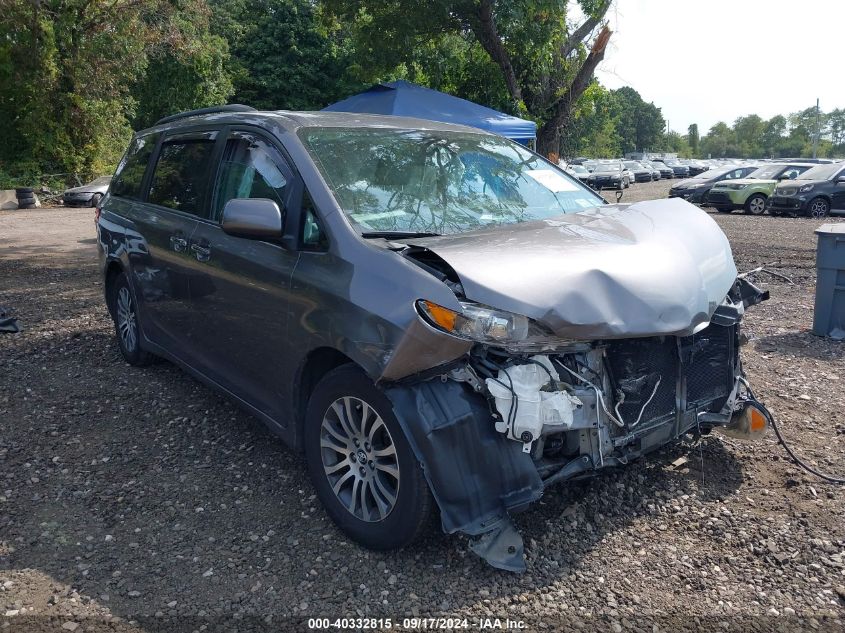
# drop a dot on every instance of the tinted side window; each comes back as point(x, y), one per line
point(248, 170)
point(130, 172)
point(181, 175)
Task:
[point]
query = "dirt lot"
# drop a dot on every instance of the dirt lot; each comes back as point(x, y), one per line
point(137, 499)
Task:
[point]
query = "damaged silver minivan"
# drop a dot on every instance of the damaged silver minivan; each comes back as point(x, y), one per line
point(440, 319)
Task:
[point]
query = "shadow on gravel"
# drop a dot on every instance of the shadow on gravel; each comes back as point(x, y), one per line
point(802, 344)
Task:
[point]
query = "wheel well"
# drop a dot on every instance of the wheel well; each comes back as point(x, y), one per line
point(319, 362)
point(112, 270)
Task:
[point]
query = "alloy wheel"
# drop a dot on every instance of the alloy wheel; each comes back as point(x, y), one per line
point(818, 209)
point(127, 324)
point(359, 459)
point(757, 205)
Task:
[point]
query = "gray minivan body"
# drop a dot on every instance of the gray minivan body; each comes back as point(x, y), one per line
point(638, 300)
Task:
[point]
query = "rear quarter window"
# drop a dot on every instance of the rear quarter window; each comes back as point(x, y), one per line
point(129, 175)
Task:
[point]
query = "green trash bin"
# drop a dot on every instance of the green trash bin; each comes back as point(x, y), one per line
point(829, 312)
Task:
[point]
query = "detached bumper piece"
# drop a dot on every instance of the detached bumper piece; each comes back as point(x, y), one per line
point(475, 474)
point(497, 428)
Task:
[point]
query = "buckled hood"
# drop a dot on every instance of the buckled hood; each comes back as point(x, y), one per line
point(649, 268)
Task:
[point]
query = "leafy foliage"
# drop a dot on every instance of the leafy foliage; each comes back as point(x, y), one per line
point(779, 137)
point(76, 76)
point(284, 56)
point(543, 61)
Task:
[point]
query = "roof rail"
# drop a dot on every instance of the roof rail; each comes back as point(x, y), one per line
point(235, 107)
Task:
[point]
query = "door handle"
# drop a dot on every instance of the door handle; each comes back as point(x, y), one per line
point(202, 253)
point(178, 244)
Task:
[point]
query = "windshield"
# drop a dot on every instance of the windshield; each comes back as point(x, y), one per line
point(578, 169)
point(714, 172)
point(767, 172)
point(422, 181)
point(821, 172)
point(606, 168)
point(633, 165)
point(102, 180)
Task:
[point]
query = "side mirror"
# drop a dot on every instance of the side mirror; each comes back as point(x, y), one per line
point(256, 218)
point(840, 179)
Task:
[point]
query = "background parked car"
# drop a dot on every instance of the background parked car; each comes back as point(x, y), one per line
point(88, 195)
point(610, 175)
point(641, 172)
point(695, 189)
point(578, 171)
point(752, 192)
point(695, 167)
point(813, 193)
point(663, 168)
point(678, 170)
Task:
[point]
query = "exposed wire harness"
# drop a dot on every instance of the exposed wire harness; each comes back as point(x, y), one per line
point(599, 394)
point(795, 458)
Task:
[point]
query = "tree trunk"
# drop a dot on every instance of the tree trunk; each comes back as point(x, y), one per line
point(548, 136)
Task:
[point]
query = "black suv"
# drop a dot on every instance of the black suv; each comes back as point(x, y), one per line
point(815, 193)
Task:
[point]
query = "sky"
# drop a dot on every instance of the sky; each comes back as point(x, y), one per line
point(706, 61)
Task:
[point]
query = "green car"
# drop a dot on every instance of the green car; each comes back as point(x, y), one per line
point(752, 192)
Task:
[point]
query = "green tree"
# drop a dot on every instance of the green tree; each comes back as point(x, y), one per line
point(67, 73)
point(773, 133)
point(719, 142)
point(593, 128)
point(185, 72)
point(545, 62)
point(748, 133)
point(639, 125)
point(283, 55)
point(693, 138)
point(836, 130)
point(677, 143)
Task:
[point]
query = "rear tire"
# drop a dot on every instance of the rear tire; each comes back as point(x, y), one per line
point(126, 323)
point(756, 204)
point(362, 466)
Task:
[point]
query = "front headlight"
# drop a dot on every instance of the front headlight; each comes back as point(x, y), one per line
point(806, 188)
point(695, 185)
point(736, 187)
point(484, 325)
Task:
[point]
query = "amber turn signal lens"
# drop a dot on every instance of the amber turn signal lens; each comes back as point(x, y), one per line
point(757, 420)
point(444, 317)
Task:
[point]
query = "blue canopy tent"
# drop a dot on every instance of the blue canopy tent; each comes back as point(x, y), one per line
point(402, 98)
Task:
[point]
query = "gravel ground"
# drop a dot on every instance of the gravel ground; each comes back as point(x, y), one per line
point(137, 499)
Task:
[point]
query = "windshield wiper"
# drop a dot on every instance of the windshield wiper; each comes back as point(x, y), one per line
point(398, 235)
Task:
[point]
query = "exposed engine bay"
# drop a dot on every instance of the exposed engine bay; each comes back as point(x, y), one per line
point(545, 416)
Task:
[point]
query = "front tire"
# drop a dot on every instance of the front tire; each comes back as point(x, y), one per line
point(756, 204)
point(362, 466)
point(818, 208)
point(126, 324)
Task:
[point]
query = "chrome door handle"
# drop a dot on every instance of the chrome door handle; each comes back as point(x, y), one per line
point(202, 253)
point(178, 244)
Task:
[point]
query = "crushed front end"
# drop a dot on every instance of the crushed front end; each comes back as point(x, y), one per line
point(499, 426)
